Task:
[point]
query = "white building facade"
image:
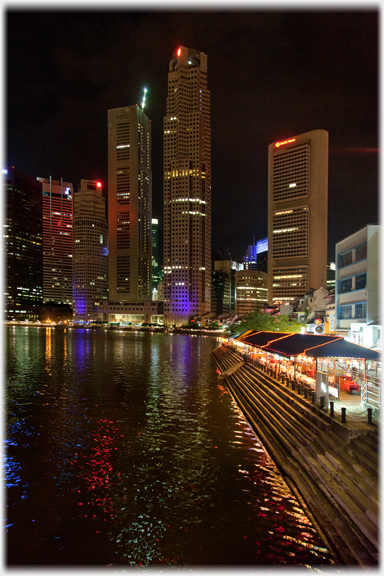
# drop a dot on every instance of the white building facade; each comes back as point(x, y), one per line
point(357, 286)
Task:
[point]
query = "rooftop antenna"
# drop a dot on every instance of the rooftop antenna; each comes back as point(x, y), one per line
point(143, 102)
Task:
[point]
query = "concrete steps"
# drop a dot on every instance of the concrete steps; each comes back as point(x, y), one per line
point(336, 479)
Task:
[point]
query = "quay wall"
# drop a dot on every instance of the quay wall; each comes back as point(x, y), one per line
point(331, 467)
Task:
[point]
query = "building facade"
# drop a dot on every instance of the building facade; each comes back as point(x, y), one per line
point(129, 204)
point(221, 293)
point(256, 256)
point(187, 189)
point(57, 240)
point(251, 291)
point(357, 290)
point(90, 252)
point(229, 269)
point(297, 216)
point(155, 258)
point(23, 245)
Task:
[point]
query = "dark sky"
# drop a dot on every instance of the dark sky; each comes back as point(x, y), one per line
point(272, 74)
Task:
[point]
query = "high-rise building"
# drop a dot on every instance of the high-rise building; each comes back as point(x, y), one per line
point(229, 268)
point(155, 258)
point(221, 293)
point(256, 256)
point(129, 204)
point(297, 215)
point(23, 239)
point(90, 252)
point(187, 188)
point(57, 240)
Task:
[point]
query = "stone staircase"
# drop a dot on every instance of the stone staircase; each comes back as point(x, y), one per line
point(333, 470)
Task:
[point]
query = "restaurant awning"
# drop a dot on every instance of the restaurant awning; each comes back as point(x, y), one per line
point(262, 338)
point(297, 344)
point(343, 349)
point(315, 346)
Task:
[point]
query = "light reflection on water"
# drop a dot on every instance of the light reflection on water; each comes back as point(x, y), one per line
point(123, 449)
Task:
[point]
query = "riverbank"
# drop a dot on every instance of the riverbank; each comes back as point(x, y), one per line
point(332, 466)
point(163, 329)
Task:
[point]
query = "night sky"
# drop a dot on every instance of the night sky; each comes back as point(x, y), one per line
point(272, 75)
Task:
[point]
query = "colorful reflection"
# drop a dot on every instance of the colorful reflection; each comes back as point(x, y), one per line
point(143, 458)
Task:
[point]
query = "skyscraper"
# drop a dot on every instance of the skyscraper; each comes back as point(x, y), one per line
point(155, 257)
point(129, 204)
point(57, 240)
point(187, 188)
point(256, 256)
point(90, 253)
point(297, 215)
point(23, 238)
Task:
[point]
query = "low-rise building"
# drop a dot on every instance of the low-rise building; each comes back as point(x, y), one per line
point(357, 286)
point(251, 291)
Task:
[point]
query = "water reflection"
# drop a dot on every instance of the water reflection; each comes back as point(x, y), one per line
point(141, 456)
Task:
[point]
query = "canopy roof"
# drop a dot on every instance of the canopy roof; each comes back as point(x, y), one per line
point(316, 346)
point(261, 338)
point(343, 349)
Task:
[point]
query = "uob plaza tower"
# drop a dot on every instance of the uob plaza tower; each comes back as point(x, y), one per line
point(187, 188)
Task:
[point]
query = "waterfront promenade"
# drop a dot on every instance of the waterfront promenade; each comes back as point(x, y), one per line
point(332, 465)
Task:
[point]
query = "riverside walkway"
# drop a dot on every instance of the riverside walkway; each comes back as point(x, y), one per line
point(331, 465)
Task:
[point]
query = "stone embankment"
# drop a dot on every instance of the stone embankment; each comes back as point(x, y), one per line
point(331, 467)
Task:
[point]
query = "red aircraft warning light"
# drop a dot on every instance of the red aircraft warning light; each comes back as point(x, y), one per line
point(179, 52)
point(98, 184)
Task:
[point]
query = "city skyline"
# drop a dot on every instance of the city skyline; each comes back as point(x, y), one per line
point(271, 75)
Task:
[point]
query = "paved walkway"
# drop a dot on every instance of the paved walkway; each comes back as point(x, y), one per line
point(354, 409)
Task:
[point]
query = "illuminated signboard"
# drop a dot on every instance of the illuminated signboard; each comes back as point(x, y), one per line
point(285, 142)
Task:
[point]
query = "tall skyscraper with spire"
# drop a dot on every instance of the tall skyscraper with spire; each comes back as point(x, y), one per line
point(187, 188)
point(129, 204)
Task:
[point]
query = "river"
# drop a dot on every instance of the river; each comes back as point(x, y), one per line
point(123, 449)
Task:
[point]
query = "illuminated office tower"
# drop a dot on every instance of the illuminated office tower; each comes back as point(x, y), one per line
point(57, 240)
point(155, 258)
point(297, 215)
point(129, 204)
point(23, 239)
point(187, 188)
point(90, 252)
point(251, 291)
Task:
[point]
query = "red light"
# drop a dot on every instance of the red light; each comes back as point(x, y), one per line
point(179, 52)
point(285, 142)
point(98, 184)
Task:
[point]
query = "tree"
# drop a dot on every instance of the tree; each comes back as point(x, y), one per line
point(259, 321)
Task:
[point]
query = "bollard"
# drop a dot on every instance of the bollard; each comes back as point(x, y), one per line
point(343, 416)
point(299, 389)
point(313, 396)
point(369, 415)
point(322, 401)
point(331, 408)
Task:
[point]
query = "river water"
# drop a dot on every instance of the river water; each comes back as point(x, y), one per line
point(122, 449)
